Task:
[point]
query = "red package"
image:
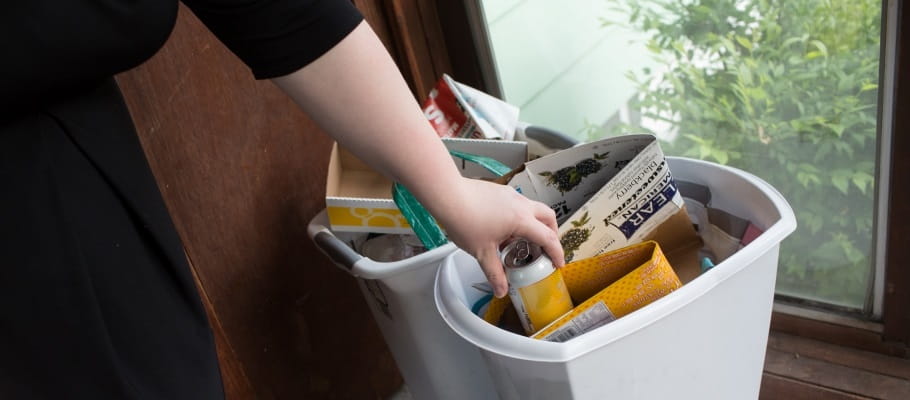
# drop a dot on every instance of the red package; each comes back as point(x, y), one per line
point(446, 114)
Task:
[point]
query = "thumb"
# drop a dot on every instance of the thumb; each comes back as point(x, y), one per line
point(492, 268)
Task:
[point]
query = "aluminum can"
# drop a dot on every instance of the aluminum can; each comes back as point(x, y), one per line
point(537, 290)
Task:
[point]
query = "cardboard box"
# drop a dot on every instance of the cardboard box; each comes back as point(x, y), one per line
point(359, 199)
point(565, 192)
point(608, 194)
point(605, 287)
point(631, 278)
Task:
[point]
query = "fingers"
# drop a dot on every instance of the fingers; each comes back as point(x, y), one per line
point(546, 215)
point(492, 268)
point(545, 237)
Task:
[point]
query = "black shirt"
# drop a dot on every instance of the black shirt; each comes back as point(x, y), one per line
point(96, 300)
point(50, 47)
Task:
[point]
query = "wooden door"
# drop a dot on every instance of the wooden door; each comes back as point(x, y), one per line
point(242, 171)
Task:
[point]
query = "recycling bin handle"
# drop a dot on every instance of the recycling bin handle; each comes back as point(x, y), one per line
point(360, 266)
point(338, 251)
point(550, 138)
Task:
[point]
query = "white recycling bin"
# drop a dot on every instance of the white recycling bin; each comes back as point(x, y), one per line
point(434, 362)
point(706, 340)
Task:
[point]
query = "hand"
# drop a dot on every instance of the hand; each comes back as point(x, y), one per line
point(490, 214)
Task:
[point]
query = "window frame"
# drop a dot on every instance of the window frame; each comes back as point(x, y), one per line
point(896, 304)
point(887, 334)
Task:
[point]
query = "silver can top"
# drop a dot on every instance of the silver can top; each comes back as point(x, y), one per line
point(525, 263)
point(520, 253)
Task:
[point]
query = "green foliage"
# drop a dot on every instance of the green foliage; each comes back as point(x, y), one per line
point(786, 89)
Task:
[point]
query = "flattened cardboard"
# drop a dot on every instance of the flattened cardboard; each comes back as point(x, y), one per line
point(605, 287)
point(631, 278)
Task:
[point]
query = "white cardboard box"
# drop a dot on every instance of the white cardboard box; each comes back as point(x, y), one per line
point(606, 194)
point(612, 154)
point(359, 199)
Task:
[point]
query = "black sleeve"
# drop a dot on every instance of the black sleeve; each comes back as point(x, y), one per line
point(277, 37)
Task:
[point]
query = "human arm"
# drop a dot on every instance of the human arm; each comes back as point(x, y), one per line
point(357, 95)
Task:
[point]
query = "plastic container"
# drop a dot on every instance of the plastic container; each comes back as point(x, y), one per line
point(434, 362)
point(542, 141)
point(706, 340)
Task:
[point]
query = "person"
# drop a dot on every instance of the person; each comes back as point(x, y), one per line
point(96, 298)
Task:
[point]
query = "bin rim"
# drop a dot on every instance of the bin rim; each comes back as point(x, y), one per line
point(364, 267)
point(467, 325)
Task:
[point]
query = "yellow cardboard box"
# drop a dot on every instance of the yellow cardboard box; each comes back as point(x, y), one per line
point(605, 287)
point(359, 199)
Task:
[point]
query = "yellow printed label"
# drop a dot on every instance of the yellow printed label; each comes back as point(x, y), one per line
point(544, 302)
point(367, 217)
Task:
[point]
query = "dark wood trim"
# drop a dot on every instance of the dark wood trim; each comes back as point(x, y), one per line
point(833, 376)
point(841, 355)
point(236, 383)
point(453, 17)
point(435, 41)
point(375, 14)
point(896, 310)
point(409, 30)
point(837, 334)
point(799, 368)
point(378, 14)
point(412, 32)
point(415, 30)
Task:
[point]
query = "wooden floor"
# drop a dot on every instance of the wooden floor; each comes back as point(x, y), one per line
point(797, 368)
point(805, 369)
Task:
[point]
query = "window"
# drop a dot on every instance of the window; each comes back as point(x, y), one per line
point(794, 91)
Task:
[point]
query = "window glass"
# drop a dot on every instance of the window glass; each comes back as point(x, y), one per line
point(786, 89)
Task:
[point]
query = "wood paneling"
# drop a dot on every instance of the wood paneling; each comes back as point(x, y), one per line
point(242, 171)
point(462, 46)
point(414, 30)
point(774, 387)
point(236, 384)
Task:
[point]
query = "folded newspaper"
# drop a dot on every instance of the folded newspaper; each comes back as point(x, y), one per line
point(606, 194)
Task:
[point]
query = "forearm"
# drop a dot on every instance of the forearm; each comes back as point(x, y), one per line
point(357, 95)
